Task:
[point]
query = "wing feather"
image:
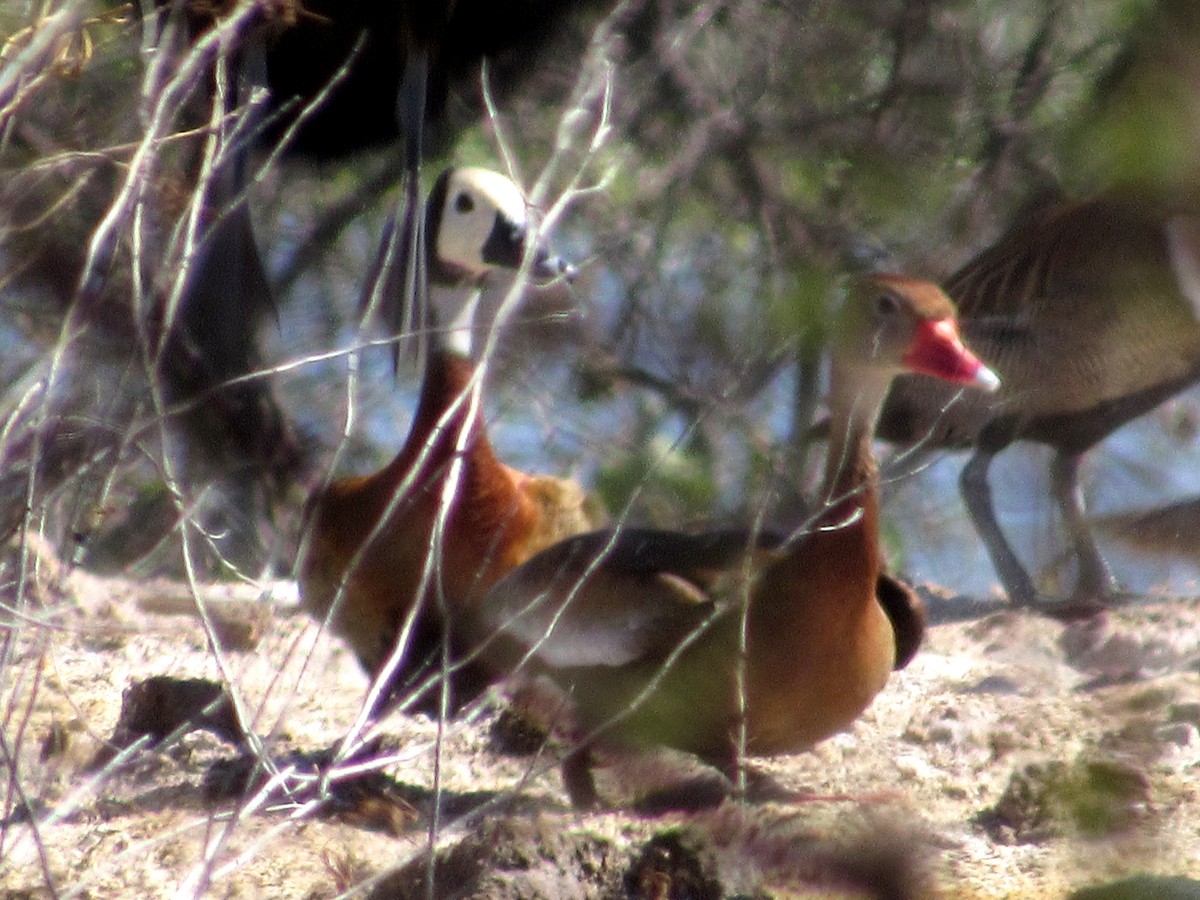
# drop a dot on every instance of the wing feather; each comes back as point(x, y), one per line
point(614, 597)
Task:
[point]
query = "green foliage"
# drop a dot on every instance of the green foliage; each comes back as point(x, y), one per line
point(665, 482)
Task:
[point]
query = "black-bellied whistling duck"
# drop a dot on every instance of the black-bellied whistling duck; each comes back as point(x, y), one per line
point(641, 628)
point(1089, 314)
point(372, 565)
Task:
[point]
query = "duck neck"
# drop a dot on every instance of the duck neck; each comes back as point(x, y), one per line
point(851, 475)
point(828, 578)
point(447, 385)
point(451, 318)
point(449, 368)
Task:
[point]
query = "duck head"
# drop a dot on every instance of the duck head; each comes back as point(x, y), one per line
point(477, 220)
point(910, 326)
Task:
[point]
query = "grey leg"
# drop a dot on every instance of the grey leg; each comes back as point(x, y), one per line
point(977, 495)
point(1095, 580)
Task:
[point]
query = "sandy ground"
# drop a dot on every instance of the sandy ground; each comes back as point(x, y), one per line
point(1016, 757)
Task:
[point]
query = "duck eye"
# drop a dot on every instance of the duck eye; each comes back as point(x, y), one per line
point(886, 304)
point(463, 203)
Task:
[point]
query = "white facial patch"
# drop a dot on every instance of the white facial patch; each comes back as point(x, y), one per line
point(474, 199)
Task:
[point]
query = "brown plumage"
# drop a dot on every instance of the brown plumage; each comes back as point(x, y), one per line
point(372, 563)
point(1088, 313)
point(641, 627)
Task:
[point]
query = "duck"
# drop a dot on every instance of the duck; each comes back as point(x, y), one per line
point(641, 628)
point(1089, 311)
point(390, 560)
point(332, 80)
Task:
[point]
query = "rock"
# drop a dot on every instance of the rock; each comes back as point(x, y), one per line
point(1182, 734)
point(1050, 799)
point(1142, 887)
point(160, 706)
point(673, 865)
point(513, 858)
point(1186, 712)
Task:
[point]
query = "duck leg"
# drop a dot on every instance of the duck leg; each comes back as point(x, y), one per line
point(1095, 583)
point(977, 495)
point(689, 794)
point(578, 779)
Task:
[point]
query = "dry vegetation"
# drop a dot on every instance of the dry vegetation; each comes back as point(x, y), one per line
point(1014, 758)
